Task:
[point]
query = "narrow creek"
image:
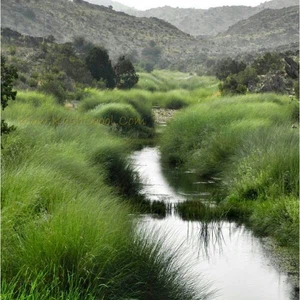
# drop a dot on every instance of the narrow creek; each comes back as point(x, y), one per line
point(227, 256)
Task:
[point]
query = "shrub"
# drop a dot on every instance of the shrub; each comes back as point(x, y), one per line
point(269, 62)
point(55, 84)
point(126, 77)
point(99, 65)
point(227, 67)
point(232, 86)
point(124, 116)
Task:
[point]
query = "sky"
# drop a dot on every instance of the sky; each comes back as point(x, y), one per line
point(146, 4)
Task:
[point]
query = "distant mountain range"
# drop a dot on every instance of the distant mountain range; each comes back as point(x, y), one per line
point(116, 5)
point(199, 22)
point(268, 28)
point(139, 37)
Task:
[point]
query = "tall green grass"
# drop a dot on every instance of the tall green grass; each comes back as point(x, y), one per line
point(142, 101)
point(248, 141)
point(164, 80)
point(66, 233)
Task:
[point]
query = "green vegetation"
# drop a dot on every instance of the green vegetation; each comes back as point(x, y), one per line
point(126, 77)
point(100, 66)
point(8, 76)
point(250, 142)
point(273, 77)
point(65, 233)
point(163, 81)
point(196, 90)
point(227, 67)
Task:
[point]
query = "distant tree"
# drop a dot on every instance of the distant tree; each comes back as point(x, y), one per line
point(151, 55)
point(269, 62)
point(8, 76)
point(100, 66)
point(232, 86)
point(55, 83)
point(248, 77)
point(64, 58)
point(227, 67)
point(126, 77)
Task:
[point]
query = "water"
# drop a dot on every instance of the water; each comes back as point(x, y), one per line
point(227, 256)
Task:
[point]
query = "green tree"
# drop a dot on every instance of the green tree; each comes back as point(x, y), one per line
point(8, 75)
point(99, 64)
point(126, 77)
point(227, 67)
point(248, 77)
point(151, 55)
point(55, 83)
point(65, 59)
point(232, 86)
point(269, 62)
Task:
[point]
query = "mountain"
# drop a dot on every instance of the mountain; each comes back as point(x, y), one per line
point(118, 32)
point(114, 4)
point(199, 22)
point(151, 41)
point(211, 21)
point(278, 4)
point(270, 28)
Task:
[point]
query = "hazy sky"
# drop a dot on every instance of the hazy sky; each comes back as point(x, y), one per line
point(145, 4)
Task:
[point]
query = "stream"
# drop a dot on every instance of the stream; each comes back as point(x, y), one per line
point(223, 255)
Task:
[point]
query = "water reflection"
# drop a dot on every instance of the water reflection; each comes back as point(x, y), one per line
point(224, 253)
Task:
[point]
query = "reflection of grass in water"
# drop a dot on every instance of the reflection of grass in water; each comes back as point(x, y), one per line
point(249, 142)
point(210, 237)
point(193, 210)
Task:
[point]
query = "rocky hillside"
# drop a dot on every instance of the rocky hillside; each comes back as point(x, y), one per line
point(115, 5)
point(278, 4)
point(150, 42)
point(118, 32)
point(209, 21)
point(269, 29)
point(199, 22)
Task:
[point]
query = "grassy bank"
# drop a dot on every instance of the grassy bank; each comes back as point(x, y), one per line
point(66, 231)
point(174, 92)
point(251, 143)
point(164, 81)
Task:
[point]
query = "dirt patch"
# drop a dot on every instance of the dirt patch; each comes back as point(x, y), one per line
point(163, 115)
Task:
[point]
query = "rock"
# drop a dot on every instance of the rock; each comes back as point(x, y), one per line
point(291, 67)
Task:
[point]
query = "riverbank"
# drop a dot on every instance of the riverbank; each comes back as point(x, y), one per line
point(67, 226)
point(251, 143)
point(227, 255)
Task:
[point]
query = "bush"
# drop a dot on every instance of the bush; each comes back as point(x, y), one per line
point(123, 116)
point(126, 77)
point(227, 67)
point(232, 86)
point(269, 62)
point(55, 84)
point(99, 65)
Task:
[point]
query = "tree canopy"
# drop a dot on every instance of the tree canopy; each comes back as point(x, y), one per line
point(126, 77)
point(8, 76)
point(99, 64)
